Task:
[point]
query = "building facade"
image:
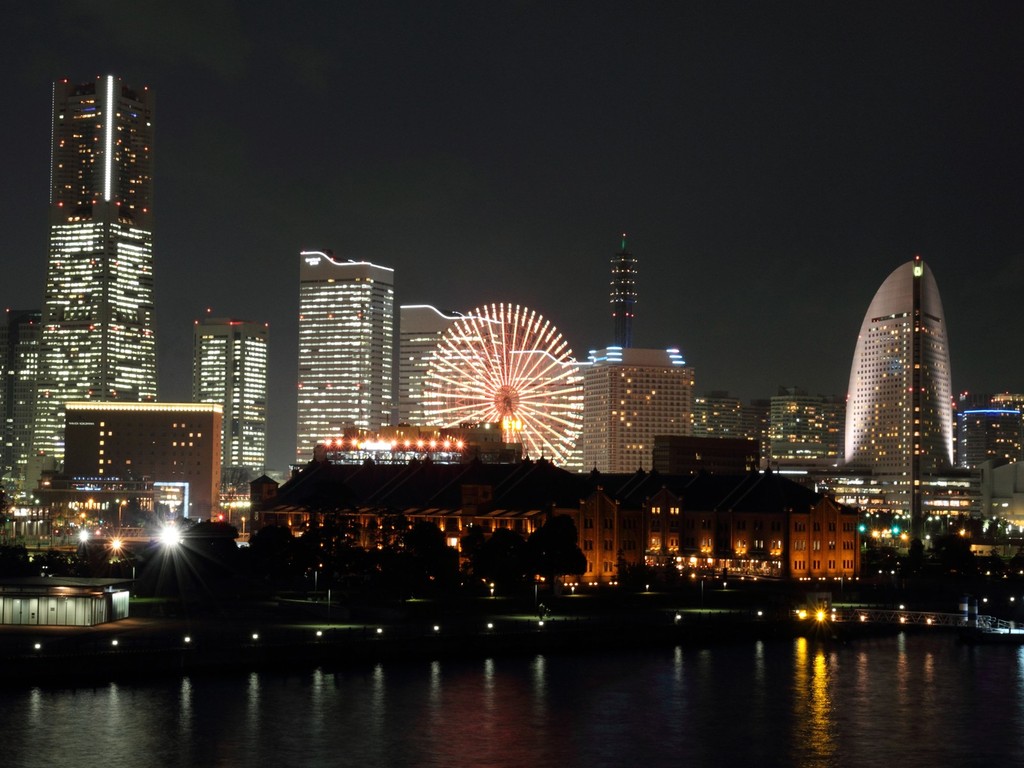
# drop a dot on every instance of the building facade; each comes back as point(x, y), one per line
point(98, 338)
point(717, 414)
point(420, 328)
point(758, 524)
point(805, 430)
point(629, 397)
point(19, 380)
point(346, 324)
point(899, 404)
point(229, 367)
point(171, 445)
point(988, 434)
point(679, 455)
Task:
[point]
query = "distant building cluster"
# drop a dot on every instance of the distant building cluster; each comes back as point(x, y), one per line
point(86, 361)
point(388, 384)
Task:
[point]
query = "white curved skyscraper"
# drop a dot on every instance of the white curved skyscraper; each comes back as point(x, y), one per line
point(899, 421)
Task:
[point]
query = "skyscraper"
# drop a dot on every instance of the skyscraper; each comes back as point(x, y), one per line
point(97, 335)
point(19, 368)
point(346, 322)
point(717, 414)
point(623, 295)
point(986, 434)
point(629, 397)
point(229, 367)
point(805, 429)
point(420, 328)
point(899, 418)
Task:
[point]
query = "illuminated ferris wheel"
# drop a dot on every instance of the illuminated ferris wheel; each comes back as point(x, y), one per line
point(507, 364)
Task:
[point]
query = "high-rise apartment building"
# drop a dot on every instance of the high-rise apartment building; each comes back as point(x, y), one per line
point(989, 434)
point(229, 367)
point(629, 397)
point(19, 374)
point(805, 429)
point(899, 418)
point(346, 324)
point(623, 295)
point(97, 333)
point(420, 328)
point(717, 414)
point(754, 420)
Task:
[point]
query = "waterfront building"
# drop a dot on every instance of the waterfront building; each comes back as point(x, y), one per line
point(759, 524)
point(899, 404)
point(98, 338)
point(229, 367)
point(420, 328)
point(19, 380)
point(172, 450)
point(623, 295)
point(988, 434)
point(346, 323)
point(629, 397)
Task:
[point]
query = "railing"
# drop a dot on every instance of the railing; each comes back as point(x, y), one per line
point(930, 618)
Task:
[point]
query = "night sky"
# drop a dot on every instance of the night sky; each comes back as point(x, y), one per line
point(771, 162)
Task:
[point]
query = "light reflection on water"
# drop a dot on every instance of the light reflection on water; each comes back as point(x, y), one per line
point(910, 700)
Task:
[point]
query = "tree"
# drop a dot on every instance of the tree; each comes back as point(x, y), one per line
point(554, 551)
point(425, 544)
point(954, 555)
point(915, 556)
point(14, 561)
point(273, 555)
point(503, 560)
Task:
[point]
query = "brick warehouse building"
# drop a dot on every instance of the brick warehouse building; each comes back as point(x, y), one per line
point(756, 523)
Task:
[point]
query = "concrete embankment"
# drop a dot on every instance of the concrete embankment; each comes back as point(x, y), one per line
point(140, 649)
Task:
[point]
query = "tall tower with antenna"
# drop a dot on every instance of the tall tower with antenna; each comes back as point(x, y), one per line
point(97, 324)
point(623, 295)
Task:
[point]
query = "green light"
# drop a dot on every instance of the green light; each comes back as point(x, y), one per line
point(918, 269)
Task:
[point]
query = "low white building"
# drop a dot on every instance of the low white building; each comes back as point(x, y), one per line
point(62, 601)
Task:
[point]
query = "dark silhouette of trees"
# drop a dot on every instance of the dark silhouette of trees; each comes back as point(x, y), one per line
point(954, 555)
point(504, 560)
point(554, 550)
point(274, 556)
point(430, 561)
point(14, 562)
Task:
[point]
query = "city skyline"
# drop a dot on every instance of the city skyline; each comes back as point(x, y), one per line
point(770, 165)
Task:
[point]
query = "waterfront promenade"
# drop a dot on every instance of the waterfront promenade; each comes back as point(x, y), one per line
point(304, 634)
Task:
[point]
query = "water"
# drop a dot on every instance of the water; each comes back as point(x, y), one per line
point(907, 701)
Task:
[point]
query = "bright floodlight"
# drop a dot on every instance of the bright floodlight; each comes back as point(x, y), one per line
point(170, 535)
point(83, 535)
point(115, 544)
